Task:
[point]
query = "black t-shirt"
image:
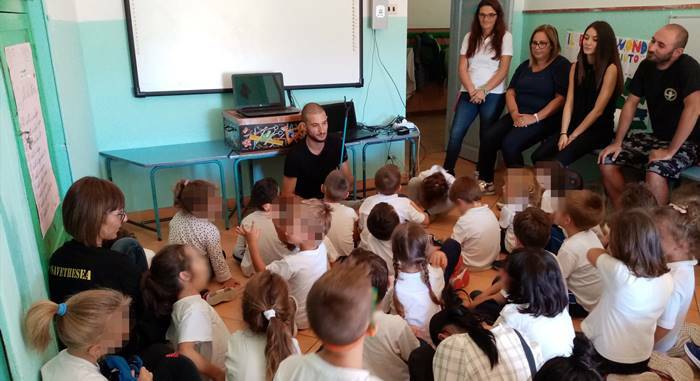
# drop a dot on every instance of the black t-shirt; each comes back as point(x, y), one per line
point(533, 90)
point(311, 170)
point(665, 91)
point(585, 95)
point(75, 267)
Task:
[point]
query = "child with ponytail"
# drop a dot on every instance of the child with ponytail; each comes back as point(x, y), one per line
point(198, 203)
point(577, 367)
point(171, 287)
point(679, 230)
point(256, 352)
point(91, 324)
point(417, 283)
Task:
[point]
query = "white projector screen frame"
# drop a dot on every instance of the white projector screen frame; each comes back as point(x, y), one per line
point(190, 47)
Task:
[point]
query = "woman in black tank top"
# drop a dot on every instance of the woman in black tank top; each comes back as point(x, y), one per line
point(595, 83)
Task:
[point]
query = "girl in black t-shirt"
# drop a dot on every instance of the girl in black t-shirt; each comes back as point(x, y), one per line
point(595, 82)
point(534, 100)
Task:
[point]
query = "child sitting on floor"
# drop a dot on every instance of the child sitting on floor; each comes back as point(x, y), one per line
point(679, 229)
point(340, 309)
point(537, 302)
point(579, 366)
point(340, 240)
point(477, 229)
point(304, 224)
point(636, 289)
point(90, 323)
point(198, 203)
point(637, 195)
point(388, 183)
point(255, 353)
point(386, 353)
point(381, 224)
point(582, 210)
point(172, 286)
point(430, 189)
point(417, 283)
point(258, 212)
point(521, 190)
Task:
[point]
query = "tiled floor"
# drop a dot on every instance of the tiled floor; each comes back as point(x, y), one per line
point(442, 228)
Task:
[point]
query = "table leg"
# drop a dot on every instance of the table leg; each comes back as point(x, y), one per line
point(238, 185)
point(108, 168)
point(354, 179)
point(224, 204)
point(364, 171)
point(414, 157)
point(251, 173)
point(156, 215)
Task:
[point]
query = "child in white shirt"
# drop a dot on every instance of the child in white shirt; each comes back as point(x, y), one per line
point(387, 180)
point(636, 290)
point(90, 324)
point(417, 283)
point(679, 228)
point(302, 223)
point(198, 204)
point(381, 224)
point(386, 353)
point(258, 213)
point(430, 188)
point(340, 240)
point(255, 353)
point(172, 286)
point(477, 229)
point(537, 302)
point(582, 210)
point(339, 306)
point(521, 190)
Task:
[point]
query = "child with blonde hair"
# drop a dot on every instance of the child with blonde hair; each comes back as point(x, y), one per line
point(304, 224)
point(255, 353)
point(198, 203)
point(172, 286)
point(417, 283)
point(91, 324)
point(679, 229)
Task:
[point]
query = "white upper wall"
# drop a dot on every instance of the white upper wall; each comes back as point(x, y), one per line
point(106, 10)
point(567, 4)
point(428, 13)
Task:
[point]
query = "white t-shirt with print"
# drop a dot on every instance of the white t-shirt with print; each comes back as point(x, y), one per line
point(245, 359)
point(269, 245)
point(195, 321)
point(555, 335)
point(673, 317)
point(582, 279)
point(66, 367)
point(301, 270)
point(479, 233)
point(623, 323)
point(312, 367)
point(379, 247)
point(402, 205)
point(386, 353)
point(482, 66)
point(339, 240)
point(413, 294)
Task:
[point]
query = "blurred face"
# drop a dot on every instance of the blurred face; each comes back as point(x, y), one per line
point(487, 18)
point(116, 334)
point(211, 209)
point(111, 224)
point(199, 272)
point(590, 41)
point(317, 126)
point(517, 186)
point(662, 48)
point(540, 47)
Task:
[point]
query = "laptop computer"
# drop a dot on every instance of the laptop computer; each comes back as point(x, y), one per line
point(259, 94)
point(336, 121)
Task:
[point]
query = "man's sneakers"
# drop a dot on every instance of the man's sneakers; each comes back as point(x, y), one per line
point(487, 189)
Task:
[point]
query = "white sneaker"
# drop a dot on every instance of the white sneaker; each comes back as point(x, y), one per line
point(487, 189)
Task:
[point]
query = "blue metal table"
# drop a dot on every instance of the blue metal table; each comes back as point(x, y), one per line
point(172, 156)
point(383, 138)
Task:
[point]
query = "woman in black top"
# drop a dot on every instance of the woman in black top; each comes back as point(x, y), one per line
point(595, 82)
point(534, 99)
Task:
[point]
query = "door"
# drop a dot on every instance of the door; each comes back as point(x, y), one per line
point(461, 17)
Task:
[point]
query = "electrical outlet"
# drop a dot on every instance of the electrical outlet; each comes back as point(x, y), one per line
point(392, 9)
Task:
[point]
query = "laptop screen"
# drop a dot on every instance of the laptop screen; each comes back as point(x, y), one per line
point(336, 116)
point(257, 90)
